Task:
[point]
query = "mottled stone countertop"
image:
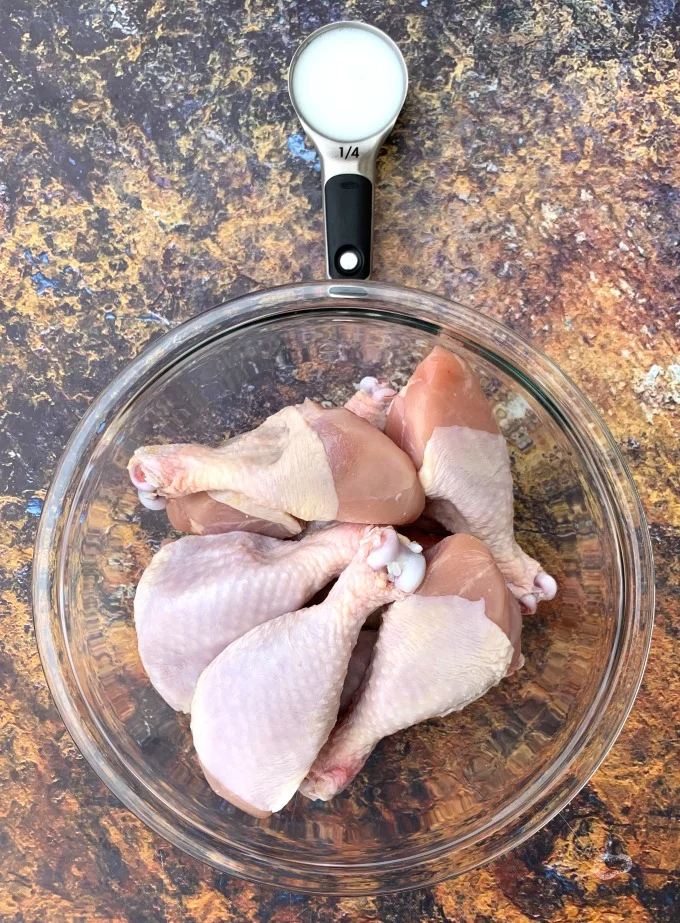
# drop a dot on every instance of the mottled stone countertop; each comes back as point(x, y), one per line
point(150, 165)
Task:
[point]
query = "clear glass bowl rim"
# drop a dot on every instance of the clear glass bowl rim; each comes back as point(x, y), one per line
point(597, 733)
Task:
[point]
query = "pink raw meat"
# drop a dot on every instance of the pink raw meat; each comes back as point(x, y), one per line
point(264, 707)
point(437, 651)
point(444, 422)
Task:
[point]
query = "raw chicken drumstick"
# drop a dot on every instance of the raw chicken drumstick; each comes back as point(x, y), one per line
point(265, 706)
point(443, 421)
point(202, 514)
point(200, 593)
point(302, 463)
point(437, 651)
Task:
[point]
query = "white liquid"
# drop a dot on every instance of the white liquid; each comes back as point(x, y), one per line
point(348, 84)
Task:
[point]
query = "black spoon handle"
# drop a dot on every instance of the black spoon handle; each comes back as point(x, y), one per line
point(348, 208)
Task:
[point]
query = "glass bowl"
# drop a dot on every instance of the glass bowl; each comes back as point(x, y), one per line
point(440, 798)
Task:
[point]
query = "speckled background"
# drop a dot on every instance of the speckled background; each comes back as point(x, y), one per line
point(150, 165)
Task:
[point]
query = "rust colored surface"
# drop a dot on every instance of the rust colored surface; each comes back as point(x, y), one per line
point(150, 165)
